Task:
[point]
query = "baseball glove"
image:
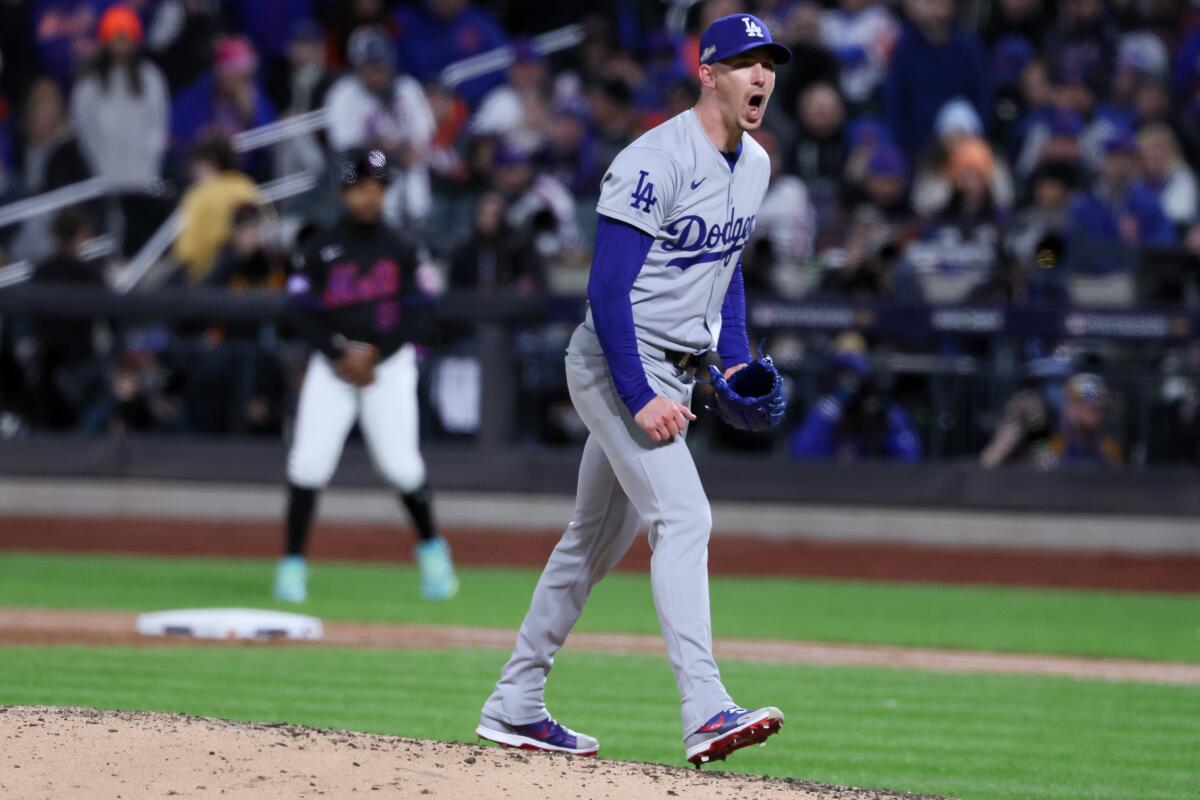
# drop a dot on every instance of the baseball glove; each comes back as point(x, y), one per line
point(753, 397)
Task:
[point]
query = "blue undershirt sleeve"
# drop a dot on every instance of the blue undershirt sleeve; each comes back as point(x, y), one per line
point(733, 345)
point(620, 251)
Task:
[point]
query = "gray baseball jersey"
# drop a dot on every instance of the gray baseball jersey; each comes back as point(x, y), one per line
point(675, 185)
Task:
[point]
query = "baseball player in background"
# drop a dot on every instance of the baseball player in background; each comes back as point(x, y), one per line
point(357, 299)
point(676, 208)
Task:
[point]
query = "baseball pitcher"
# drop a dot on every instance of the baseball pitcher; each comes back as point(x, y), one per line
point(676, 209)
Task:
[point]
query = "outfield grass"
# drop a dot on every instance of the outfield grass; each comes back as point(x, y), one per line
point(978, 737)
point(1072, 622)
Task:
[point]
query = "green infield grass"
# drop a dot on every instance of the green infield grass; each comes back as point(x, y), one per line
point(1070, 622)
point(968, 736)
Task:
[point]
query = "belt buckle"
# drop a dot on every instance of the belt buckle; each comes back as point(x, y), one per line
point(684, 361)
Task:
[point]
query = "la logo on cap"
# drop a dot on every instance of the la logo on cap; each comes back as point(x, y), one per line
point(752, 28)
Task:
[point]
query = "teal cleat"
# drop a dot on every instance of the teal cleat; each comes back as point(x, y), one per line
point(438, 581)
point(291, 580)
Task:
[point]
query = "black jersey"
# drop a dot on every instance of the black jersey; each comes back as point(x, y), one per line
point(358, 282)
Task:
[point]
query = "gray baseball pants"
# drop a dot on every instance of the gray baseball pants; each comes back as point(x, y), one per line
point(625, 480)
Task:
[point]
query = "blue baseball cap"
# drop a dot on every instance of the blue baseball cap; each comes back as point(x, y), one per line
point(735, 34)
point(370, 46)
point(887, 161)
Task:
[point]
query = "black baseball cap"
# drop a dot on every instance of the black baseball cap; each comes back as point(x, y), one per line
point(360, 164)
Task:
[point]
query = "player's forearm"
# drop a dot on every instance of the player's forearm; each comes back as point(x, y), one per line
point(733, 345)
point(416, 325)
point(316, 332)
point(619, 254)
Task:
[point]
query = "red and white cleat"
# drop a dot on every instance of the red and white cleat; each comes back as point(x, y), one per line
point(732, 729)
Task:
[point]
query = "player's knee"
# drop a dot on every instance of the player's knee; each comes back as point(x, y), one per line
point(405, 475)
point(684, 525)
point(309, 473)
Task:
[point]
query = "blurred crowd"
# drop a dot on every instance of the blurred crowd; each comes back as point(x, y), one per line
point(1016, 152)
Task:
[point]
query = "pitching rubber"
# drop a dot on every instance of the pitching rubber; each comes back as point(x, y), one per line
point(505, 739)
point(756, 731)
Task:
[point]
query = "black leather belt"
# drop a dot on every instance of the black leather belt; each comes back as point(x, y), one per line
point(684, 360)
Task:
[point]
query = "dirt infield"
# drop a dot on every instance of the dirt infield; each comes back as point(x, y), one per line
point(73, 752)
point(728, 554)
point(49, 627)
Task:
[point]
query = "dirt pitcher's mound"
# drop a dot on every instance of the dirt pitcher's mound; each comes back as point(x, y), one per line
point(77, 752)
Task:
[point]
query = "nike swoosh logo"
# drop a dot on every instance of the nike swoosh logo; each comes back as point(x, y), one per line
point(697, 183)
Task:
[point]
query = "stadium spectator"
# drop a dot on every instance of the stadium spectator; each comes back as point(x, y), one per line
point(496, 257)
point(658, 76)
point(1185, 70)
point(1119, 210)
point(447, 157)
point(1024, 19)
point(861, 34)
point(787, 216)
point(299, 89)
point(250, 259)
point(1083, 45)
point(679, 96)
point(1051, 189)
point(616, 120)
point(433, 34)
point(341, 19)
point(1022, 435)
point(69, 371)
point(17, 47)
point(268, 25)
point(208, 205)
point(857, 420)
point(812, 62)
point(709, 12)
point(866, 262)
point(1153, 104)
point(960, 242)
point(1177, 409)
point(142, 394)
point(885, 185)
point(8, 178)
point(64, 35)
point(233, 383)
point(819, 154)
point(956, 122)
point(1117, 111)
point(1052, 136)
point(302, 84)
point(863, 136)
point(226, 101)
point(1009, 58)
point(375, 107)
point(540, 208)
point(1082, 440)
point(517, 110)
point(119, 107)
point(49, 158)
point(862, 268)
point(182, 35)
point(1166, 175)
point(934, 62)
point(571, 153)
point(1023, 280)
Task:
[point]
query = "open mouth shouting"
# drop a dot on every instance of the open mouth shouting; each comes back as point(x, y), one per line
point(756, 104)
